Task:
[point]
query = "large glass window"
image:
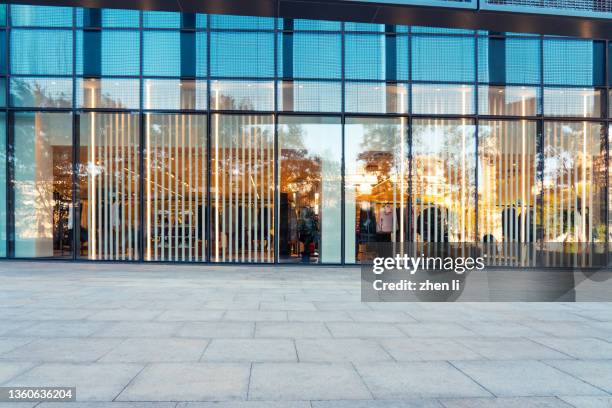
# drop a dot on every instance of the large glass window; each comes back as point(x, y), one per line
point(511, 60)
point(573, 102)
point(443, 180)
point(508, 100)
point(175, 187)
point(442, 99)
point(44, 213)
point(242, 188)
point(41, 52)
point(310, 154)
point(108, 53)
point(310, 55)
point(37, 92)
point(109, 186)
point(242, 54)
point(376, 183)
point(376, 57)
point(2, 185)
point(40, 16)
point(443, 58)
point(574, 62)
point(574, 181)
point(507, 184)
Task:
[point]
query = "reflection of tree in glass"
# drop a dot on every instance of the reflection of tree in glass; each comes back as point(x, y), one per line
point(300, 171)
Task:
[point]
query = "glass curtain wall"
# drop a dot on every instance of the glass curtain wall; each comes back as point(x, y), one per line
point(376, 192)
point(291, 140)
point(109, 186)
point(242, 188)
point(43, 184)
point(175, 166)
point(443, 180)
point(574, 180)
point(310, 198)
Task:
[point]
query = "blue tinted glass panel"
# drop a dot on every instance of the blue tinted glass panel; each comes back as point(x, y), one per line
point(573, 62)
point(119, 55)
point(379, 57)
point(41, 52)
point(201, 20)
point(172, 53)
point(41, 16)
point(316, 25)
point(242, 22)
point(350, 26)
point(2, 185)
point(3, 14)
point(162, 53)
point(509, 60)
point(161, 19)
point(443, 59)
point(310, 55)
point(242, 54)
point(2, 52)
point(3, 92)
point(120, 18)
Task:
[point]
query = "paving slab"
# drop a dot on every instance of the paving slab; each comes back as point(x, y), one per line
point(9, 370)
point(424, 349)
point(511, 349)
point(520, 402)
point(59, 349)
point(149, 350)
point(418, 380)
point(189, 382)
point(588, 402)
point(292, 330)
point(306, 381)
point(217, 330)
point(98, 382)
point(250, 350)
point(579, 347)
point(138, 329)
point(69, 328)
point(338, 350)
point(524, 379)
point(364, 330)
point(596, 372)
point(410, 403)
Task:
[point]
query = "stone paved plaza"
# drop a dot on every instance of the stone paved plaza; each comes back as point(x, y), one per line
point(294, 337)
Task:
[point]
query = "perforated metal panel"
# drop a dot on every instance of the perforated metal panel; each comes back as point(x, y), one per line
point(584, 8)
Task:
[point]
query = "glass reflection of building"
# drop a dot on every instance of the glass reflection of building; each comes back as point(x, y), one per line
point(162, 136)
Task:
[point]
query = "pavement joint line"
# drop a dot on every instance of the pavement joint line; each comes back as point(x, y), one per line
point(365, 384)
point(210, 340)
point(552, 348)
point(123, 340)
point(248, 392)
point(297, 355)
point(130, 382)
point(27, 370)
point(471, 378)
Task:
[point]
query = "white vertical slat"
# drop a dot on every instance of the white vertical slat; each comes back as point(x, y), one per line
point(122, 171)
point(190, 242)
point(249, 201)
point(230, 226)
point(183, 197)
point(244, 186)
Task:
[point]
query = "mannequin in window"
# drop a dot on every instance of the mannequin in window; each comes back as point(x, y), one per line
point(385, 223)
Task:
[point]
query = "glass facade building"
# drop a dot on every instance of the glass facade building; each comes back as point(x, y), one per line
point(130, 135)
